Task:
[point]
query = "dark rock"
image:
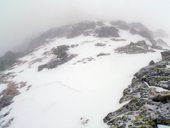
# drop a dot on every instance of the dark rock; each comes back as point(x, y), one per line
point(85, 60)
point(100, 44)
point(165, 122)
point(135, 48)
point(165, 55)
point(9, 59)
point(61, 57)
point(103, 54)
point(56, 62)
point(61, 51)
point(118, 39)
point(81, 28)
point(74, 45)
point(107, 31)
point(7, 95)
point(148, 105)
point(162, 98)
point(41, 67)
point(151, 62)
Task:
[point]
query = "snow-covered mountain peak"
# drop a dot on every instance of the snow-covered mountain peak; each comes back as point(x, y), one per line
point(74, 75)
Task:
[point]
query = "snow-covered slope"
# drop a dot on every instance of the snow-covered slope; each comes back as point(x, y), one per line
point(75, 94)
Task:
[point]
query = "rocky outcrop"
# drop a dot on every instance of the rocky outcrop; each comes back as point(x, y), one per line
point(148, 96)
point(107, 31)
point(82, 28)
point(140, 29)
point(6, 96)
point(9, 59)
point(92, 28)
point(100, 44)
point(85, 60)
point(136, 28)
point(165, 55)
point(103, 54)
point(135, 48)
point(62, 56)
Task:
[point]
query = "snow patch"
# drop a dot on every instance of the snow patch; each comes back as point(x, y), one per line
point(3, 87)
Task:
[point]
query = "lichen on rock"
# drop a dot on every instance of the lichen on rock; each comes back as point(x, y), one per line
point(148, 96)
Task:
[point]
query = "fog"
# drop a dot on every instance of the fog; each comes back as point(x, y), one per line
point(21, 20)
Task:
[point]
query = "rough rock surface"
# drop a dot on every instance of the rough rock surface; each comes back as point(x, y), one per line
point(61, 57)
point(97, 29)
point(135, 48)
point(148, 96)
point(103, 54)
point(7, 95)
point(107, 32)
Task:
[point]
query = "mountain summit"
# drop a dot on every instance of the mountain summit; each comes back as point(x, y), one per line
point(73, 76)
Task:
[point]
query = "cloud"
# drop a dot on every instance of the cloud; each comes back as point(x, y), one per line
point(21, 19)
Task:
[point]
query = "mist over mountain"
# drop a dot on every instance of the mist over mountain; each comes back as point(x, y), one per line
point(75, 74)
point(22, 20)
point(84, 64)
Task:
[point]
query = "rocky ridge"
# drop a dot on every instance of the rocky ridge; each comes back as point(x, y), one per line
point(97, 29)
point(135, 48)
point(60, 51)
point(148, 98)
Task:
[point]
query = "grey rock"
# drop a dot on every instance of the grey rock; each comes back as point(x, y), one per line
point(85, 60)
point(61, 57)
point(61, 51)
point(114, 39)
point(165, 55)
point(56, 62)
point(81, 28)
point(157, 47)
point(135, 48)
point(107, 31)
point(147, 106)
point(151, 62)
point(100, 44)
point(7, 95)
point(103, 54)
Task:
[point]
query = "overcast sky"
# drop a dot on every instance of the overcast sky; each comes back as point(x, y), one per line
point(22, 19)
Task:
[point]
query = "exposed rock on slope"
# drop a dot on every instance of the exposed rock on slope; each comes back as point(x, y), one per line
point(82, 61)
point(8, 60)
point(61, 57)
point(148, 96)
point(107, 32)
point(91, 28)
point(135, 48)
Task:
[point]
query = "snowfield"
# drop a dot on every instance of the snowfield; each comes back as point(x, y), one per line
point(162, 126)
point(2, 87)
point(74, 92)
